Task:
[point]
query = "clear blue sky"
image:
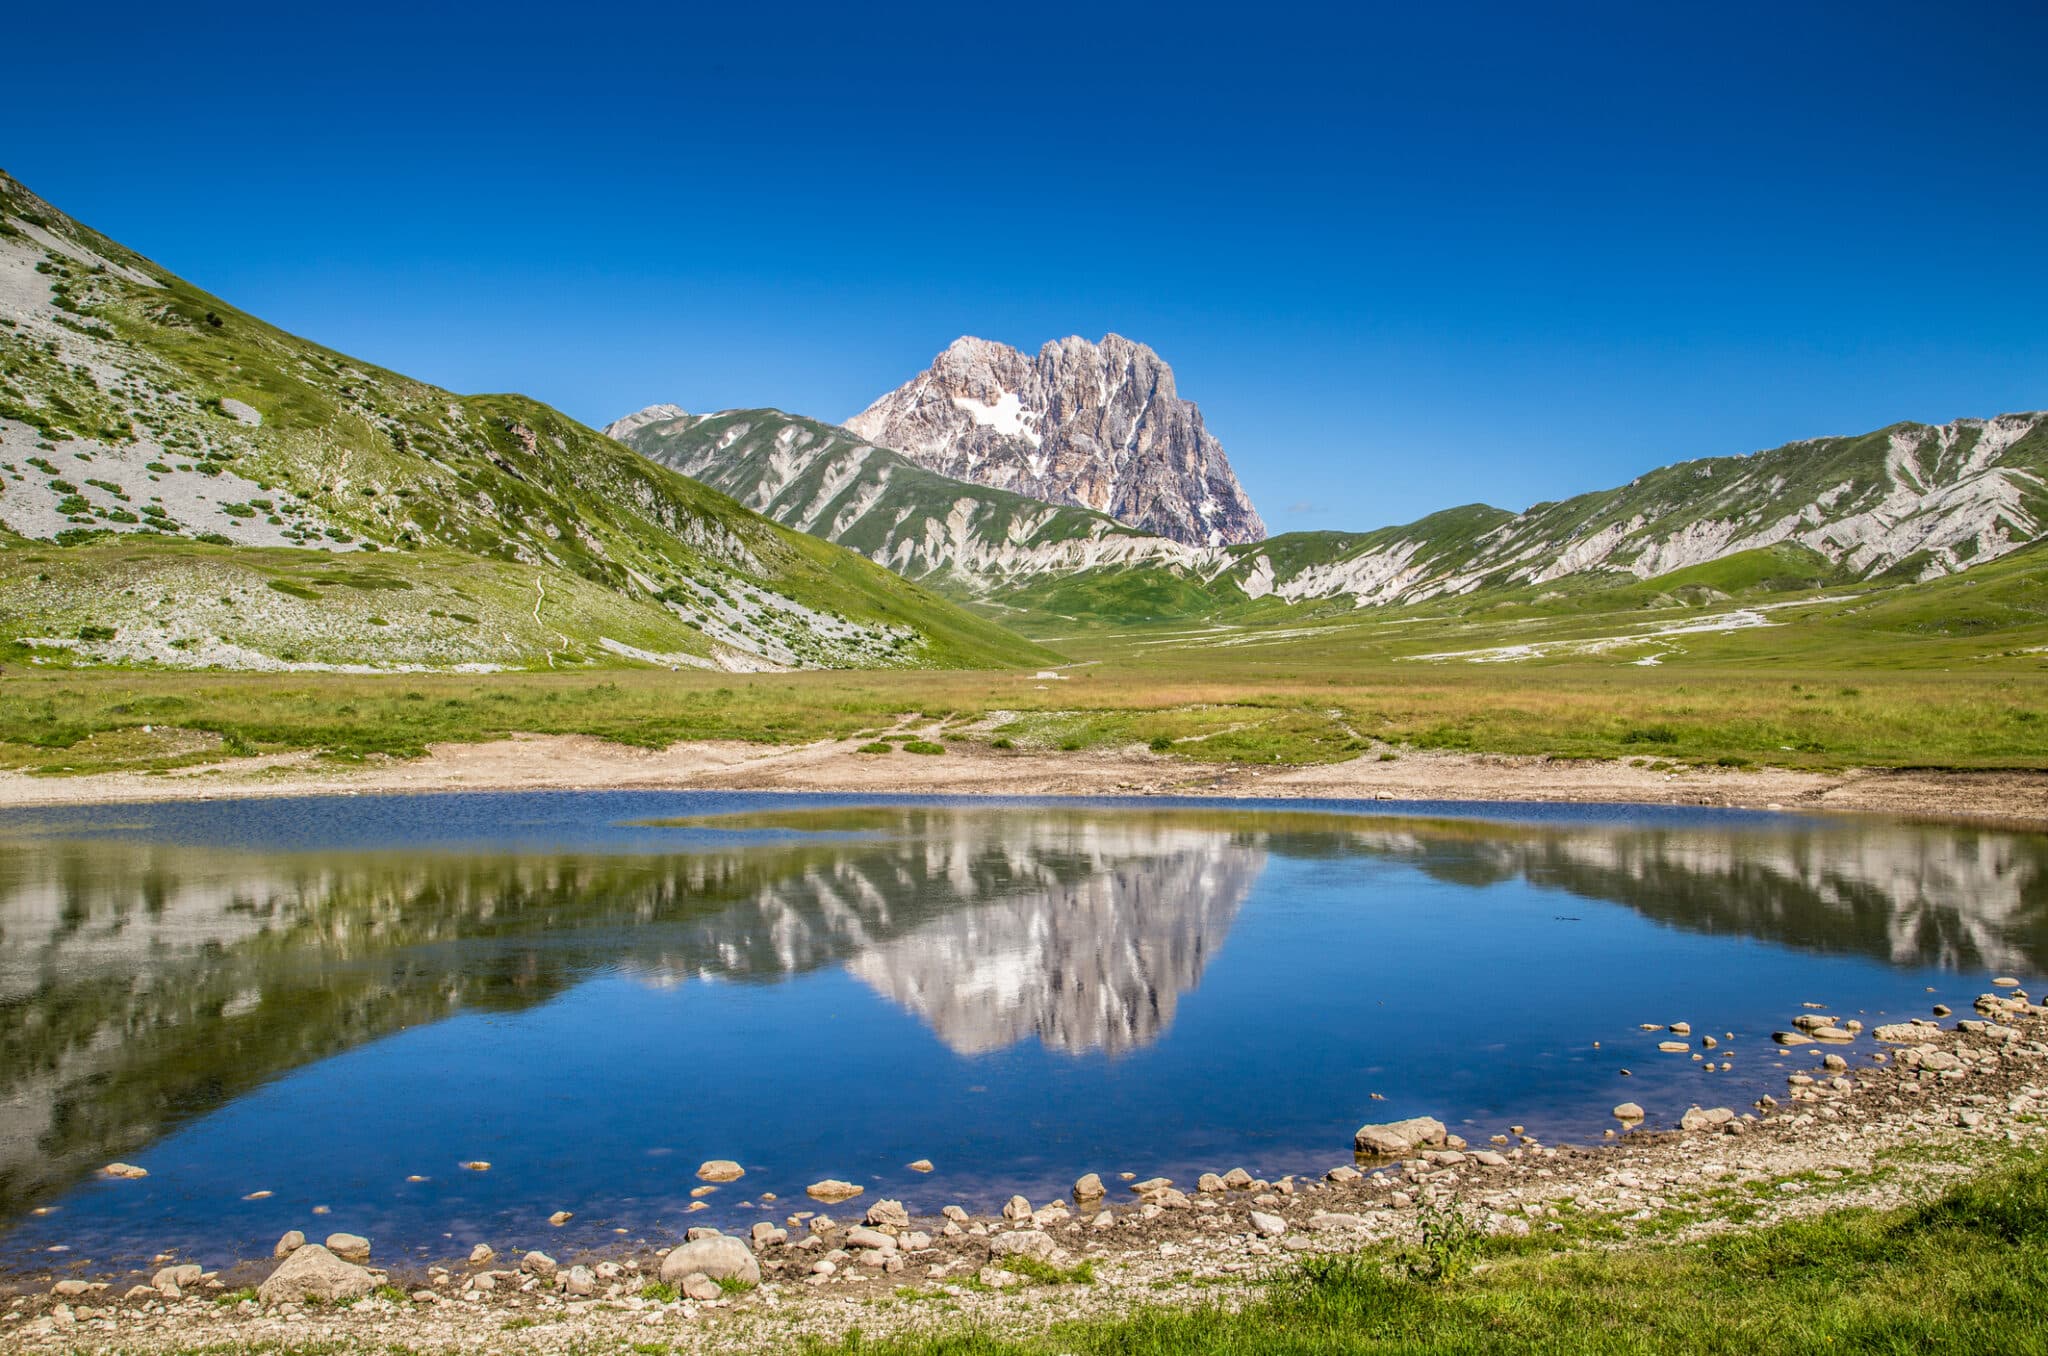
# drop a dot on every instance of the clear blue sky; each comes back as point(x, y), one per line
point(1404, 257)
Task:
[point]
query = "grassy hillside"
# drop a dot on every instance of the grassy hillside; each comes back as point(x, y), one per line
point(1754, 665)
point(821, 479)
point(1905, 503)
point(1908, 504)
point(1951, 673)
point(150, 434)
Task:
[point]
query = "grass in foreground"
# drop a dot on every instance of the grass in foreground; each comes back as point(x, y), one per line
point(1968, 1272)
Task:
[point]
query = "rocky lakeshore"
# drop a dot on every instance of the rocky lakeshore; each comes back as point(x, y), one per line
point(1876, 1117)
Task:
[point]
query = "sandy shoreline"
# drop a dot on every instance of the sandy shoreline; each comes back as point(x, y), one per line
point(582, 763)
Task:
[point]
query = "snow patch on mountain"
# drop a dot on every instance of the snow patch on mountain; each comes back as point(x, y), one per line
point(1006, 416)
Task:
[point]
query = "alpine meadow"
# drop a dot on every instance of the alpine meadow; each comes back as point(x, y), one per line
point(923, 681)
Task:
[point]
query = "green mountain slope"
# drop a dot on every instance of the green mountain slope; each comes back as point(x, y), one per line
point(183, 484)
point(1912, 501)
point(821, 479)
point(1909, 502)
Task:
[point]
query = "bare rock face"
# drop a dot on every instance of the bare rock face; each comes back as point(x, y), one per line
point(1099, 425)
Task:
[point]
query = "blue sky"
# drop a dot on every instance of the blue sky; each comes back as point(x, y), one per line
point(1402, 257)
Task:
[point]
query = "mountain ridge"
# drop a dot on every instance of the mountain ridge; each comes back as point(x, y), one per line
point(1916, 499)
point(1908, 500)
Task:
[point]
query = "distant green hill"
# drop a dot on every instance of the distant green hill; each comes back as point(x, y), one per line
point(183, 484)
point(1908, 502)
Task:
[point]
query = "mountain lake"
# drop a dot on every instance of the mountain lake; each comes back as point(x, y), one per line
point(313, 1013)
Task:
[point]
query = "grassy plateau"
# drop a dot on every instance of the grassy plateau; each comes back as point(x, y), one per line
point(1997, 717)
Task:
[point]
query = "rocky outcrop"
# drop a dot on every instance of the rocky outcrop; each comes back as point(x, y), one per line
point(1098, 425)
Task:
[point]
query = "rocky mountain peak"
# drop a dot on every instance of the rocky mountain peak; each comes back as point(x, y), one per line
point(1100, 425)
point(623, 429)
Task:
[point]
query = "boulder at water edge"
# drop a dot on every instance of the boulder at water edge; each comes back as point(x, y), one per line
point(720, 1258)
point(1394, 1138)
point(313, 1273)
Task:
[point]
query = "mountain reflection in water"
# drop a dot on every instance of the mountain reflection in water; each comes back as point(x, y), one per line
point(143, 984)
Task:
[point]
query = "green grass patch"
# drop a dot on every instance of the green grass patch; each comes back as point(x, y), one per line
point(1965, 1273)
point(1045, 1273)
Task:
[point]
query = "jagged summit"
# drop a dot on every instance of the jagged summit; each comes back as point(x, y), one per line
point(1099, 425)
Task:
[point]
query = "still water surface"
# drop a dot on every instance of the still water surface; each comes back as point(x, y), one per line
point(325, 998)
